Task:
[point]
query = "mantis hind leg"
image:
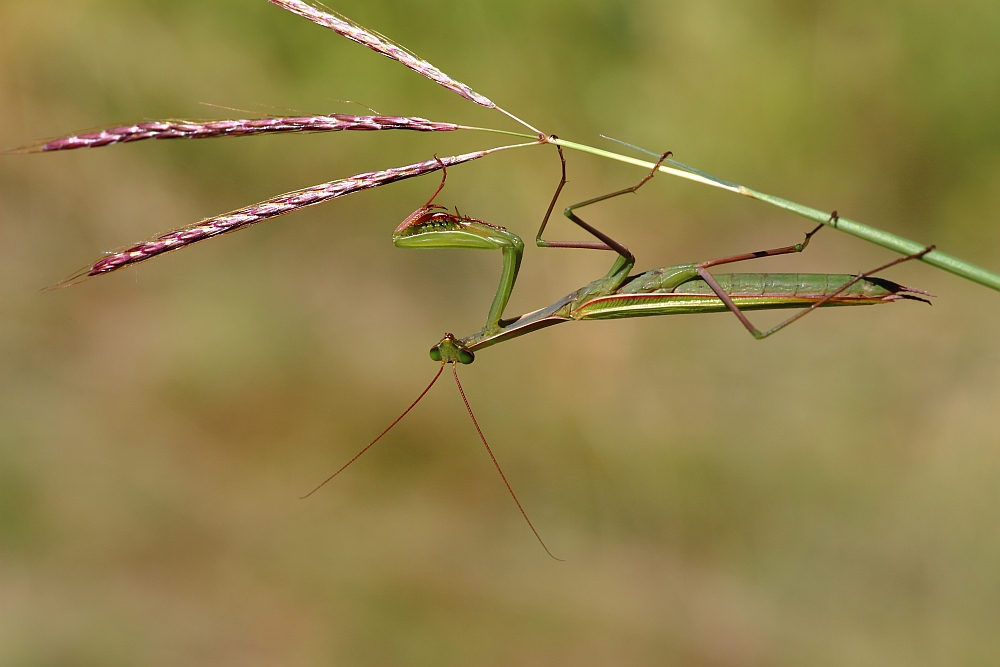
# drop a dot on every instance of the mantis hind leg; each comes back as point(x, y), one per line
point(606, 242)
point(703, 267)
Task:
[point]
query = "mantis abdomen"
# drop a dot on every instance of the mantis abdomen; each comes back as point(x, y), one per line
point(749, 291)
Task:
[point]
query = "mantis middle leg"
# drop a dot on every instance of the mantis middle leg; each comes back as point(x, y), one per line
point(607, 243)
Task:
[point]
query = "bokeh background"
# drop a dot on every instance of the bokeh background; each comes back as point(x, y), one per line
point(830, 496)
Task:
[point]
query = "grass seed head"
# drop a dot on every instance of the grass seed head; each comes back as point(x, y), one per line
point(184, 129)
point(272, 208)
point(354, 32)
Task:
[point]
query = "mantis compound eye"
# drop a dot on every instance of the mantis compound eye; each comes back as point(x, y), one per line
point(466, 357)
point(436, 353)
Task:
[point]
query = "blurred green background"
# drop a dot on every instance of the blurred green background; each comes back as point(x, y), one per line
point(828, 497)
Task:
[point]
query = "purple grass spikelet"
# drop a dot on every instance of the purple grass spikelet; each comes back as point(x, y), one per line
point(380, 44)
point(183, 129)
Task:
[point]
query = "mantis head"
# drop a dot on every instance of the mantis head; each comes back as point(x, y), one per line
point(449, 350)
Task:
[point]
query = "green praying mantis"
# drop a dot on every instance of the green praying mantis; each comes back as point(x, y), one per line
point(685, 288)
point(682, 289)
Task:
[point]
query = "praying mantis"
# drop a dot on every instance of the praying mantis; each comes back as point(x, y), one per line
point(682, 289)
point(685, 288)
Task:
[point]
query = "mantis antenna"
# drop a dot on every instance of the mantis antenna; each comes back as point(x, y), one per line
point(454, 371)
point(388, 428)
